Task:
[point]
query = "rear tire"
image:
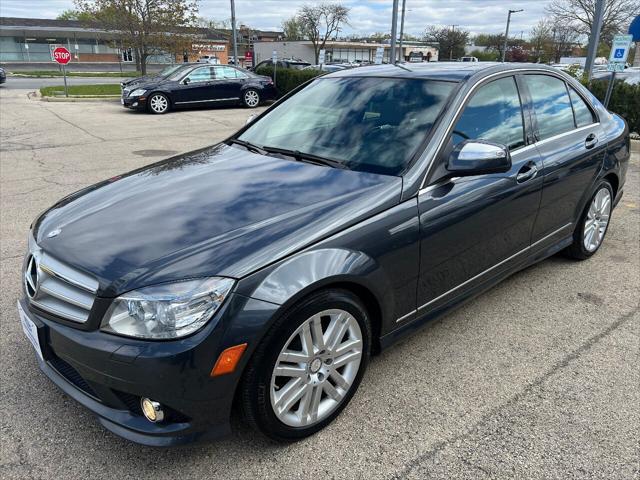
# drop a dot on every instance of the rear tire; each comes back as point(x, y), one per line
point(593, 225)
point(287, 406)
point(251, 98)
point(158, 103)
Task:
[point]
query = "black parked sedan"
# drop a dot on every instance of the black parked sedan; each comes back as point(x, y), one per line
point(266, 269)
point(198, 85)
point(3, 75)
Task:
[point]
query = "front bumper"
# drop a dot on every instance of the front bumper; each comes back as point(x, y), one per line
point(134, 103)
point(108, 374)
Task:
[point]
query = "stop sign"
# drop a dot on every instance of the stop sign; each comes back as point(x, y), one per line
point(62, 55)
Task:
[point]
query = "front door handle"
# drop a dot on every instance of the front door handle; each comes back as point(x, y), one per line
point(527, 172)
point(590, 141)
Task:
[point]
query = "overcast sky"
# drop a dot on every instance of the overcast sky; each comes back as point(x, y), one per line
point(366, 16)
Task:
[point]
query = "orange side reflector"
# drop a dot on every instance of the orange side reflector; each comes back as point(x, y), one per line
point(228, 360)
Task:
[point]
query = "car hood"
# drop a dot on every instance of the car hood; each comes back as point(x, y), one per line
point(218, 211)
point(139, 80)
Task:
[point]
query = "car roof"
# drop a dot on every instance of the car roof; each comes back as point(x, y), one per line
point(450, 71)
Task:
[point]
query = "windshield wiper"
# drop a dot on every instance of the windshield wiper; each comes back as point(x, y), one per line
point(249, 146)
point(306, 157)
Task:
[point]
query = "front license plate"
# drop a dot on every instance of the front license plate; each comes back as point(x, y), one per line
point(30, 330)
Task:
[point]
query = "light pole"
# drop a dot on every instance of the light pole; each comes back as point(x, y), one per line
point(594, 38)
point(451, 40)
point(404, 5)
point(506, 33)
point(394, 32)
point(235, 36)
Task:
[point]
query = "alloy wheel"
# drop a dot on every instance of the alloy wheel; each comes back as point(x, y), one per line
point(597, 220)
point(159, 103)
point(251, 98)
point(316, 368)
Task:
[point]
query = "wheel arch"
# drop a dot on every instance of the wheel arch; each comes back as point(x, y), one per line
point(163, 92)
point(330, 268)
point(612, 178)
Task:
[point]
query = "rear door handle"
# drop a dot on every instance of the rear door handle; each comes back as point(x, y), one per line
point(527, 172)
point(591, 141)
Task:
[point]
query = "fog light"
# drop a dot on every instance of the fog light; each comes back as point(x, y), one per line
point(152, 410)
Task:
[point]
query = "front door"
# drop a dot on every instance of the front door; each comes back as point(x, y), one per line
point(195, 87)
point(473, 228)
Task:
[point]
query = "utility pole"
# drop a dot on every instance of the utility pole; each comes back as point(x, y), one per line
point(594, 37)
point(506, 33)
point(235, 34)
point(394, 32)
point(404, 5)
point(453, 29)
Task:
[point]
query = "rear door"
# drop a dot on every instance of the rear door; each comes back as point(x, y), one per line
point(568, 138)
point(472, 228)
point(228, 83)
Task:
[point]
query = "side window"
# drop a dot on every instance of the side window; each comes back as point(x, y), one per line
point(584, 115)
point(202, 74)
point(494, 113)
point(228, 72)
point(551, 104)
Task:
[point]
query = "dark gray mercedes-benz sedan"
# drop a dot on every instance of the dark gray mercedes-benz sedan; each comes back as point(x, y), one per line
point(265, 270)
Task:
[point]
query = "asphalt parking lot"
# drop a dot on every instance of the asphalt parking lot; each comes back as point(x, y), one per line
point(538, 378)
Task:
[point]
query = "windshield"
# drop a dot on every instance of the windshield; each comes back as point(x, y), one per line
point(367, 124)
point(165, 72)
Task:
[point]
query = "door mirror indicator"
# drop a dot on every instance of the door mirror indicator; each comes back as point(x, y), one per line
point(477, 157)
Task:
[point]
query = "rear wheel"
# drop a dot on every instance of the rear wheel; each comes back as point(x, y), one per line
point(158, 103)
point(594, 222)
point(251, 98)
point(308, 366)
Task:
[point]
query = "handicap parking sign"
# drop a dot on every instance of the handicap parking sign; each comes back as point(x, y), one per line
point(620, 48)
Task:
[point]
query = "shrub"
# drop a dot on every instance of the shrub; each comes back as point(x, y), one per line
point(288, 78)
point(625, 100)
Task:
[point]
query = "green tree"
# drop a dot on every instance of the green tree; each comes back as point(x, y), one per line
point(451, 42)
point(293, 29)
point(147, 26)
point(74, 15)
point(541, 39)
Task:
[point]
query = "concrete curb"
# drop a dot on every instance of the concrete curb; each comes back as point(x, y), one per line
point(80, 99)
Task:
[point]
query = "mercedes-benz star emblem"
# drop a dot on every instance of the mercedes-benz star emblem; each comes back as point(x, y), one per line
point(54, 233)
point(31, 279)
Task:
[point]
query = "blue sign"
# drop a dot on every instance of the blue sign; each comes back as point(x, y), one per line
point(634, 29)
point(619, 53)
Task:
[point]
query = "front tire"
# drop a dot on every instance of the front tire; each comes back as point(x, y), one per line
point(251, 98)
point(159, 103)
point(308, 367)
point(594, 223)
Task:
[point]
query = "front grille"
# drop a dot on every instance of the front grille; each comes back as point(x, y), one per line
point(71, 375)
point(57, 288)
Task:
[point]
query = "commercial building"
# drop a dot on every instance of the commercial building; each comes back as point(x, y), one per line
point(27, 43)
point(343, 52)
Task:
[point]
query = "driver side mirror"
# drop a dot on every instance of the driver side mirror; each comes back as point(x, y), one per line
point(250, 118)
point(478, 157)
point(185, 81)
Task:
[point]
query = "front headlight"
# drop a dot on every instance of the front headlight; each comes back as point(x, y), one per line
point(137, 92)
point(166, 311)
